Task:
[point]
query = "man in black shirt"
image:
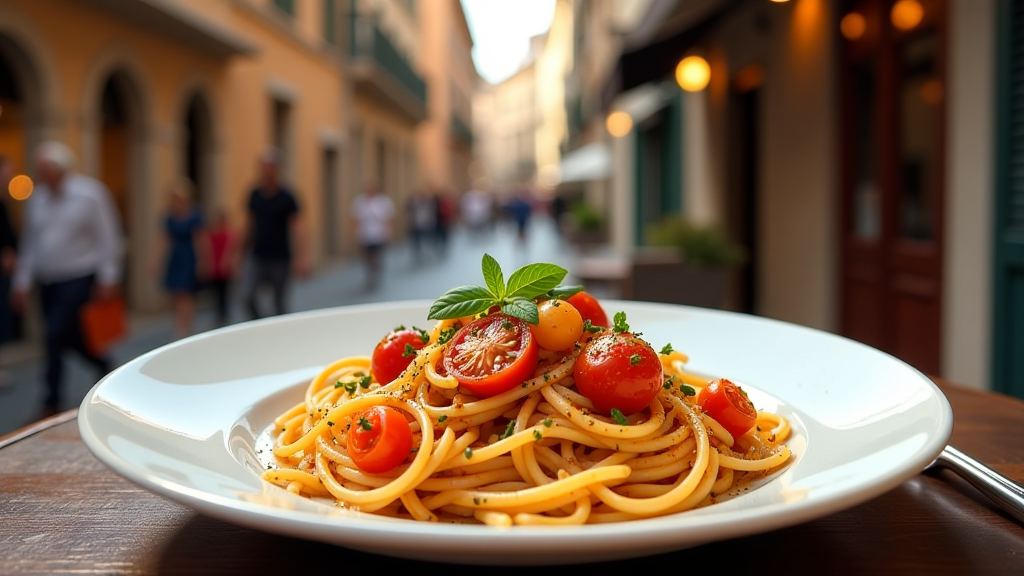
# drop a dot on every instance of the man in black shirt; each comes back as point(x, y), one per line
point(275, 238)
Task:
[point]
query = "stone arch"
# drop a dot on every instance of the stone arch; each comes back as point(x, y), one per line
point(117, 148)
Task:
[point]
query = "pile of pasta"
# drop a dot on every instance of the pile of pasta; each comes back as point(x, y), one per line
point(558, 463)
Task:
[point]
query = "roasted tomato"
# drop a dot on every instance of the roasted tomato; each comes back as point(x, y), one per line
point(729, 406)
point(394, 353)
point(618, 370)
point(491, 354)
point(590, 309)
point(380, 439)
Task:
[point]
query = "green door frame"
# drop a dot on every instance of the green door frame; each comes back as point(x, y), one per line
point(671, 165)
point(1008, 215)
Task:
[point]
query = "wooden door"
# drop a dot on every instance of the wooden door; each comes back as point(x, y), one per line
point(892, 166)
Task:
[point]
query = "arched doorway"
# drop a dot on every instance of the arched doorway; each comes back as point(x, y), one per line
point(197, 152)
point(20, 99)
point(120, 128)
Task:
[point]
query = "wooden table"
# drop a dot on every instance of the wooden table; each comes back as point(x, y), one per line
point(63, 511)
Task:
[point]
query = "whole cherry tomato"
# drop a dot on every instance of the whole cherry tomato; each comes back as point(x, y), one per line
point(729, 406)
point(559, 325)
point(394, 353)
point(590, 309)
point(618, 370)
point(380, 439)
point(491, 354)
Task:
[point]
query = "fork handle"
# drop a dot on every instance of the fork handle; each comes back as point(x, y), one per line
point(1003, 491)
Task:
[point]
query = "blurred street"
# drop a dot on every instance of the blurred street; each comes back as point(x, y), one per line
point(405, 278)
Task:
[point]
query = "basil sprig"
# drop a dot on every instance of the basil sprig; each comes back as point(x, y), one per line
point(515, 297)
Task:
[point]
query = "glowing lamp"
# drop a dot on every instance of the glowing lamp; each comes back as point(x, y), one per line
point(853, 26)
point(907, 14)
point(619, 124)
point(693, 73)
point(20, 187)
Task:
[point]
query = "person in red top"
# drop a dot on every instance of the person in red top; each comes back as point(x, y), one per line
point(223, 262)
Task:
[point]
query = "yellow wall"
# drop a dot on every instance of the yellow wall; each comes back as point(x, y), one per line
point(76, 47)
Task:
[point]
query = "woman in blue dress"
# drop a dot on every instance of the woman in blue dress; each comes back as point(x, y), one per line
point(184, 253)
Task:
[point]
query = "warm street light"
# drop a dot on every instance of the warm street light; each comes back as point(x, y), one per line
point(20, 187)
point(619, 124)
point(907, 14)
point(853, 26)
point(693, 73)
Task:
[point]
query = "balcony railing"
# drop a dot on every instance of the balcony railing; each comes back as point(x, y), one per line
point(382, 70)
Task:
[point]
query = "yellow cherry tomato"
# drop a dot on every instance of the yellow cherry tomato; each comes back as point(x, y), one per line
point(560, 325)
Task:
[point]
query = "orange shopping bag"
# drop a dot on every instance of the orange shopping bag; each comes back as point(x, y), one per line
point(103, 324)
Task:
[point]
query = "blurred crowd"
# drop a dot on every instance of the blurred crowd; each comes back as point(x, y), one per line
point(68, 255)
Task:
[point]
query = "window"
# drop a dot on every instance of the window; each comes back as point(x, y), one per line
point(329, 18)
point(286, 6)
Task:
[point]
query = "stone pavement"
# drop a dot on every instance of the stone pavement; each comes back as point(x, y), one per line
point(405, 278)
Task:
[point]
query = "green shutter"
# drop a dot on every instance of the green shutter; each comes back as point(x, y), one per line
point(1008, 264)
point(329, 20)
point(286, 6)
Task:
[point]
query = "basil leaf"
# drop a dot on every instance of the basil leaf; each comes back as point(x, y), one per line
point(493, 277)
point(565, 292)
point(461, 301)
point(533, 280)
point(522, 308)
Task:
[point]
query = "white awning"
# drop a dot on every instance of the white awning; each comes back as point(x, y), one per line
point(590, 162)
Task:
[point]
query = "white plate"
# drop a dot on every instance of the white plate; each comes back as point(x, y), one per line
point(183, 421)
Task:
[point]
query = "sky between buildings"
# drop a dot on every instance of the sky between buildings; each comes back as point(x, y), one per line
point(501, 33)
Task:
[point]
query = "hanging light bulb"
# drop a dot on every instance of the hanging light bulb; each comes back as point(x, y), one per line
point(619, 124)
point(853, 26)
point(693, 73)
point(907, 14)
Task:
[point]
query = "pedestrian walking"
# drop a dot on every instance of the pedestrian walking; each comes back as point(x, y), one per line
point(275, 236)
point(8, 259)
point(183, 254)
point(422, 218)
point(373, 213)
point(71, 248)
point(477, 211)
point(223, 263)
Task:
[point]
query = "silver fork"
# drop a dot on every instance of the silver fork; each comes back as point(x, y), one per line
point(1000, 489)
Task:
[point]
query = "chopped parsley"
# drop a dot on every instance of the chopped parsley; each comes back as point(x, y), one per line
point(364, 382)
point(365, 424)
point(423, 334)
point(350, 387)
point(666, 350)
point(546, 422)
point(619, 323)
point(510, 429)
point(687, 390)
point(442, 418)
point(445, 335)
point(620, 419)
point(409, 351)
point(634, 359)
point(468, 453)
point(537, 436)
point(589, 327)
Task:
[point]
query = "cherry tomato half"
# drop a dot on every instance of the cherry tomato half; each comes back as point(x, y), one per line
point(618, 371)
point(590, 309)
point(379, 440)
point(491, 354)
point(727, 404)
point(391, 356)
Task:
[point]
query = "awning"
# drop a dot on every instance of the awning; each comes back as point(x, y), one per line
point(589, 162)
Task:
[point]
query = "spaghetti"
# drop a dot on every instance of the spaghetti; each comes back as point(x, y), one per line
point(539, 453)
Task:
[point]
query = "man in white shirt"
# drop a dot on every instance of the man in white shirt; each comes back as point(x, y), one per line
point(70, 248)
point(373, 212)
